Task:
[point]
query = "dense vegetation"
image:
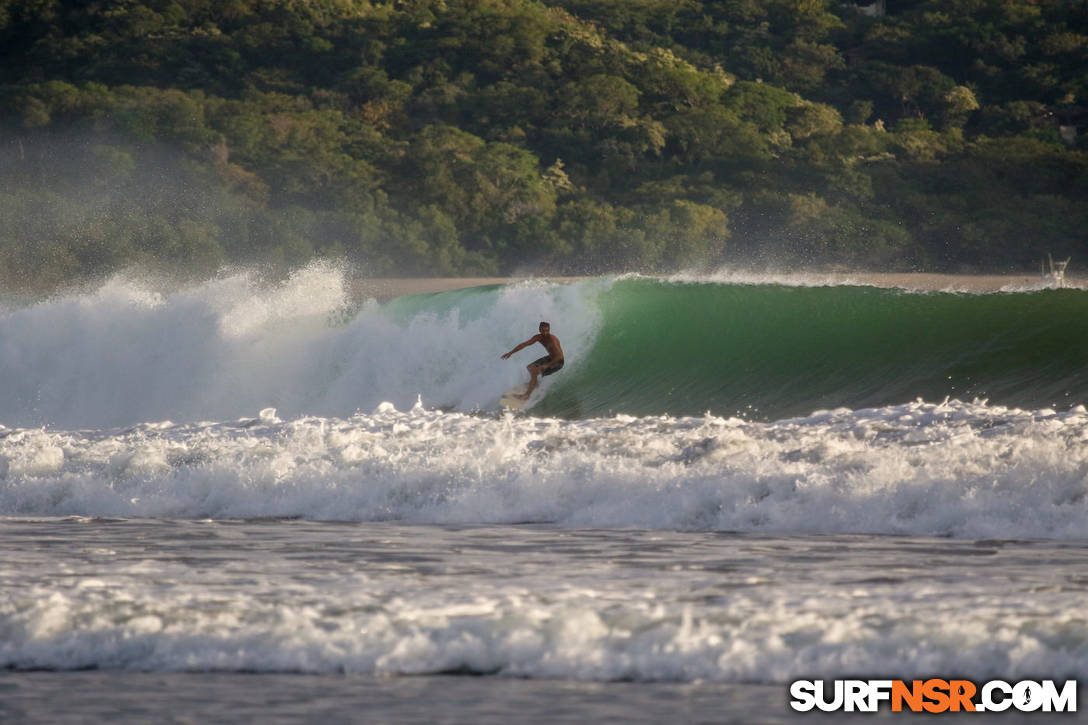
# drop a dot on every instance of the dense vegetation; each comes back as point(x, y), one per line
point(489, 136)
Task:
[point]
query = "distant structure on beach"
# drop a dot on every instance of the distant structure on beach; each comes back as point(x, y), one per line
point(1071, 121)
point(874, 10)
point(1054, 272)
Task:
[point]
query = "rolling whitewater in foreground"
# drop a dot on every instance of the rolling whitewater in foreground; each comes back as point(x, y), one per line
point(733, 483)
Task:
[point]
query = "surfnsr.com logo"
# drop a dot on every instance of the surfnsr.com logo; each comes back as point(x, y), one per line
point(933, 696)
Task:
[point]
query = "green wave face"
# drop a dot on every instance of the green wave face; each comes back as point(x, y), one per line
point(771, 351)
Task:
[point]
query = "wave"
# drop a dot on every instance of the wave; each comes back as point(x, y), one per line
point(127, 353)
point(770, 350)
point(533, 603)
point(955, 469)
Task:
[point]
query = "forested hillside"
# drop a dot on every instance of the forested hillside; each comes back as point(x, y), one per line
point(446, 137)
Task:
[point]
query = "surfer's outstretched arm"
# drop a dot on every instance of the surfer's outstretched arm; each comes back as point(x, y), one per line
point(527, 343)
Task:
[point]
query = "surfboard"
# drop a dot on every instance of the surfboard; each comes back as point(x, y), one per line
point(510, 402)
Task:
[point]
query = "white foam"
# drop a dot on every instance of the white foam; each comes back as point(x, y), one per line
point(126, 353)
point(907, 281)
point(958, 469)
point(732, 276)
point(270, 613)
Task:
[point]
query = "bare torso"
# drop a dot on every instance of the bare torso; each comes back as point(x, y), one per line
point(551, 344)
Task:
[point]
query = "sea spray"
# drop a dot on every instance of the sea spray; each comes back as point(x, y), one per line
point(127, 353)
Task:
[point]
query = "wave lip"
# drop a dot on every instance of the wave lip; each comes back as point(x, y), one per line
point(905, 281)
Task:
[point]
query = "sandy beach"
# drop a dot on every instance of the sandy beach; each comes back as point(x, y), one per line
point(386, 288)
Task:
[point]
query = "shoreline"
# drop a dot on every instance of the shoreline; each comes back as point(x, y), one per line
point(384, 289)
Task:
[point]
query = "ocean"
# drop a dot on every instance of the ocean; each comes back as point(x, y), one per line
point(245, 500)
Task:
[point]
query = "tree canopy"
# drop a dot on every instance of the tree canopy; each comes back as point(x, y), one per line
point(448, 137)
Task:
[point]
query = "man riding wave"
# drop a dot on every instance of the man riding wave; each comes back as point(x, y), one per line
point(550, 363)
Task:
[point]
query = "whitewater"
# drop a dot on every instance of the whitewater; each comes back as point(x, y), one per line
point(735, 481)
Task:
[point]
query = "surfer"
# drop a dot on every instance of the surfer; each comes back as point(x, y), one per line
point(550, 363)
